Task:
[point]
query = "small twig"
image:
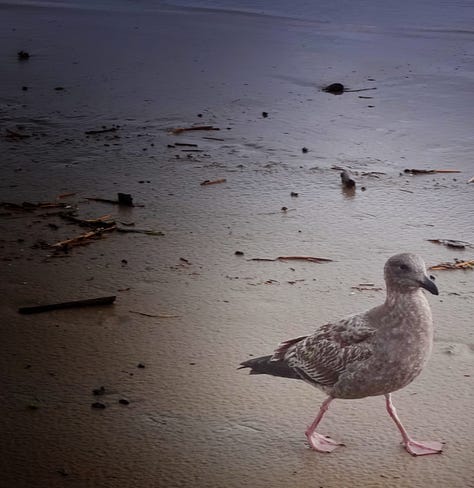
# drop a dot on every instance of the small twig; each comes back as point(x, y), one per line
point(295, 258)
point(140, 231)
point(179, 130)
point(83, 239)
point(213, 182)
point(158, 316)
point(100, 131)
point(430, 171)
point(74, 304)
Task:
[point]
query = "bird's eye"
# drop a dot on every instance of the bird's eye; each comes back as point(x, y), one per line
point(404, 267)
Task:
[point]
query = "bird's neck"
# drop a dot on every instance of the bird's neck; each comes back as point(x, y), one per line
point(398, 297)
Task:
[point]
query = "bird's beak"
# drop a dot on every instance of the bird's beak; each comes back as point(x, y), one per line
point(429, 285)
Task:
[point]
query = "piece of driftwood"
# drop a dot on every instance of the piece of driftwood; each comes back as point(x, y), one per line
point(103, 200)
point(100, 131)
point(158, 316)
point(148, 232)
point(451, 243)
point(89, 302)
point(213, 182)
point(457, 264)
point(311, 259)
point(82, 239)
point(28, 206)
point(346, 180)
point(179, 130)
point(214, 139)
point(101, 222)
point(16, 135)
point(415, 171)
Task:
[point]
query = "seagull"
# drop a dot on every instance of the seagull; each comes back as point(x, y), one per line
point(372, 353)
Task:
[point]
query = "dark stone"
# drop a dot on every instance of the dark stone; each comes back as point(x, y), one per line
point(334, 88)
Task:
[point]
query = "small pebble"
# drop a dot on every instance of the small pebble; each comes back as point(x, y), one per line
point(264, 115)
point(140, 365)
point(98, 405)
point(239, 253)
point(123, 401)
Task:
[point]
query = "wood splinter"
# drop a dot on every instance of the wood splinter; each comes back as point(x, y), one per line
point(213, 182)
point(179, 130)
point(311, 259)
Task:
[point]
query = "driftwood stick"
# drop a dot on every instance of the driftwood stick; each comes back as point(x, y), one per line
point(213, 182)
point(11, 133)
point(82, 239)
point(100, 131)
point(311, 259)
point(179, 130)
point(415, 171)
point(89, 302)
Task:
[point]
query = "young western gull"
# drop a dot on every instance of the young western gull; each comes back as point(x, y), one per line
point(373, 353)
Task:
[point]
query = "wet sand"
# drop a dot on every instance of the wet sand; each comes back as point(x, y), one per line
point(193, 420)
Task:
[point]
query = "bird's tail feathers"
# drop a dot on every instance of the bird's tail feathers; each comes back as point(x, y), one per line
point(265, 365)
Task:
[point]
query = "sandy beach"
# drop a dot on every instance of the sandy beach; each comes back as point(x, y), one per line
point(189, 309)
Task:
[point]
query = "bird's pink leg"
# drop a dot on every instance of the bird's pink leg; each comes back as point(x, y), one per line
point(317, 441)
point(416, 448)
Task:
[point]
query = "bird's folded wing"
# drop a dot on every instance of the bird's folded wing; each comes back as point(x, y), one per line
point(323, 356)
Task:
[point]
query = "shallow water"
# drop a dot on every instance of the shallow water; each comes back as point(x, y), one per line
point(193, 419)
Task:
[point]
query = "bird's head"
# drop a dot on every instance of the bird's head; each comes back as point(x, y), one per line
point(407, 272)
